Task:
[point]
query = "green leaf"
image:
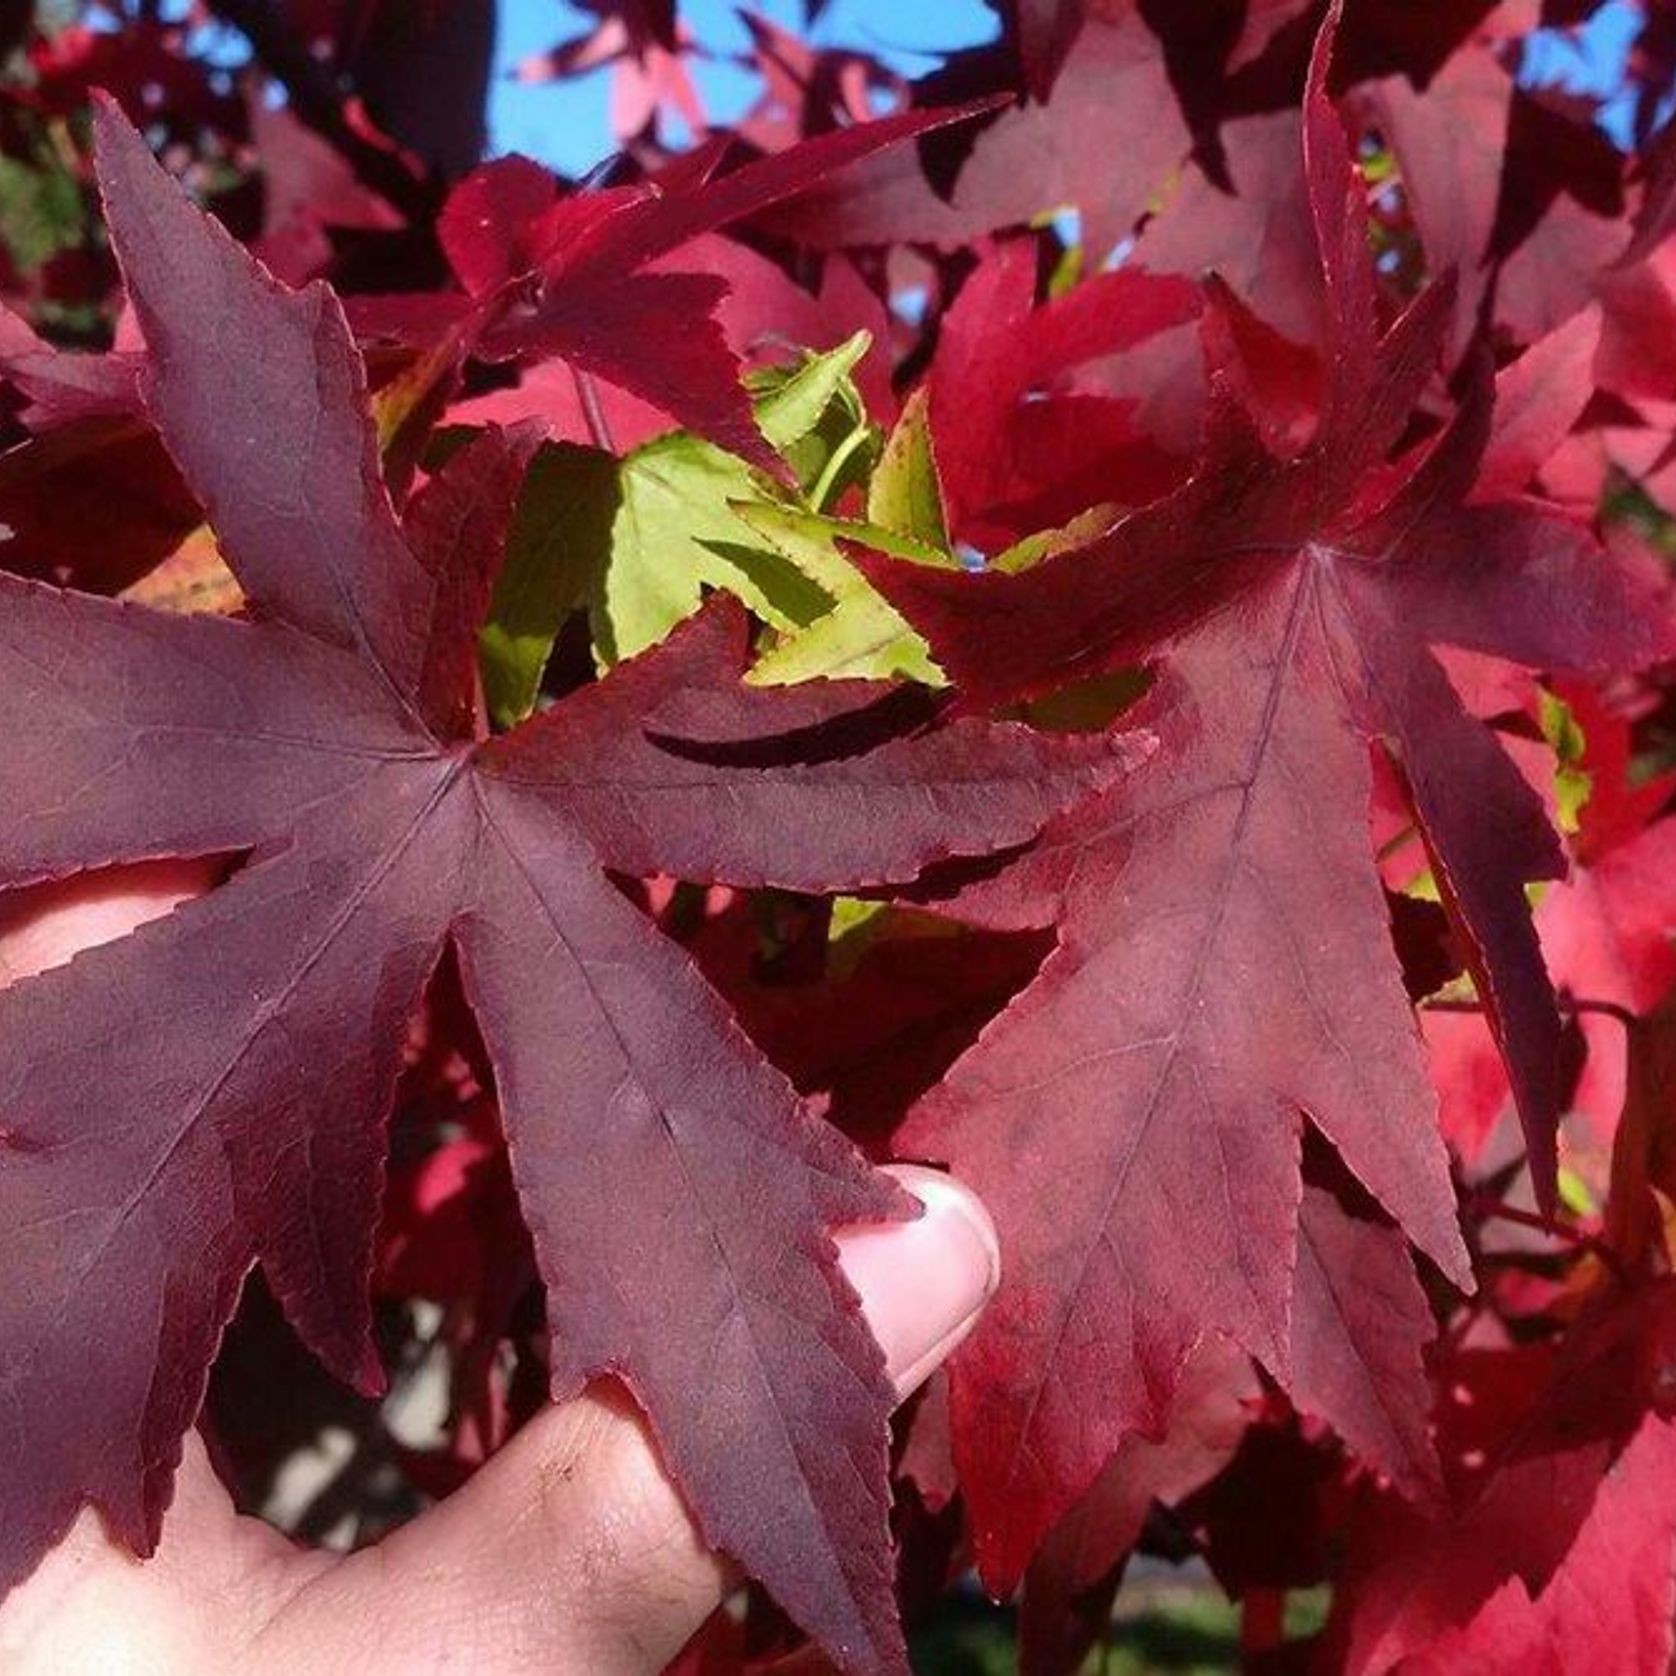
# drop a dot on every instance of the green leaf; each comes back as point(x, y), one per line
point(855, 632)
point(637, 540)
point(1064, 538)
point(674, 496)
point(1573, 784)
point(792, 401)
point(860, 638)
point(814, 415)
point(41, 212)
point(906, 494)
point(1575, 1195)
point(861, 634)
point(554, 553)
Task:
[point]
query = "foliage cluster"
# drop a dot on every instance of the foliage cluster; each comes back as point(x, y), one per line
point(1102, 618)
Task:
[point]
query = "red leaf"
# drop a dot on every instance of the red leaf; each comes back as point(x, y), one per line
point(1278, 382)
point(92, 499)
point(1263, 18)
point(1044, 30)
point(1538, 400)
point(1533, 1482)
point(484, 227)
point(1611, 1602)
point(456, 526)
point(1259, 239)
point(1360, 1324)
point(1606, 934)
point(1022, 443)
point(1069, 1586)
point(1217, 979)
point(676, 1191)
point(761, 314)
point(1656, 215)
point(574, 287)
point(1523, 203)
point(1104, 144)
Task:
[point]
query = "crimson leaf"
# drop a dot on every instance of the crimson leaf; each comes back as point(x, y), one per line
point(580, 279)
point(211, 1092)
point(1220, 973)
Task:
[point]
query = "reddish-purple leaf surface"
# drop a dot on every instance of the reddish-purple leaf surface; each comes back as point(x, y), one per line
point(1023, 442)
point(1103, 143)
point(1539, 397)
point(1532, 1475)
point(211, 1092)
point(1263, 19)
point(1656, 216)
point(1069, 1588)
point(1332, 551)
point(1606, 935)
point(1612, 1602)
point(571, 279)
point(1258, 238)
point(1044, 31)
point(761, 312)
point(91, 498)
point(1222, 974)
point(1523, 205)
point(1360, 1325)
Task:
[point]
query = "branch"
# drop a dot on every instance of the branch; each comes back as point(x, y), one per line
point(318, 102)
point(1490, 1208)
point(1576, 1006)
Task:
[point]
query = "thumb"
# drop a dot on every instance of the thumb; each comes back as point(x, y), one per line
point(571, 1549)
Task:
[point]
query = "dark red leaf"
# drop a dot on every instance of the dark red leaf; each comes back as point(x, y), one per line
point(1023, 443)
point(1615, 1591)
point(1104, 144)
point(1044, 31)
point(587, 299)
point(1068, 1588)
point(677, 1192)
point(1218, 981)
point(1534, 1468)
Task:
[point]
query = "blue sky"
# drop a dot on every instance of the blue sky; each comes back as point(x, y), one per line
point(1592, 60)
point(565, 125)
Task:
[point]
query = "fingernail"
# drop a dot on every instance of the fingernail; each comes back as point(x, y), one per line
point(923, 1284)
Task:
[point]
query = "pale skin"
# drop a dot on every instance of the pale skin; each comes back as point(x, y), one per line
point(570, 1551)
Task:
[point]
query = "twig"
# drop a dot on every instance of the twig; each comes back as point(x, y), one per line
point(1601, 1009)
point(1566, 1003)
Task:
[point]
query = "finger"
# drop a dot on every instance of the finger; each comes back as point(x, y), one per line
point(571, 1550)
point(216, 1576)
point(193, 1606)
point(45, 925)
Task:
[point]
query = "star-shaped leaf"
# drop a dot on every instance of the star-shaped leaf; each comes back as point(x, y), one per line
point(1225, 969)
point(211, 1092)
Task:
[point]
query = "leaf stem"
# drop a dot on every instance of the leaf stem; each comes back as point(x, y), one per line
point(1391, 845)
point(593, 410)
point(1575, 1005)
point(1493, 1209)
point(839, 459)
point(1600, 1009)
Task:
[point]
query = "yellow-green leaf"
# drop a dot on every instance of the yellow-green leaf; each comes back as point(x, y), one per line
point(906, 494)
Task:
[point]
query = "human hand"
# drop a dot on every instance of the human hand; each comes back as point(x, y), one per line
point(569, 1551)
